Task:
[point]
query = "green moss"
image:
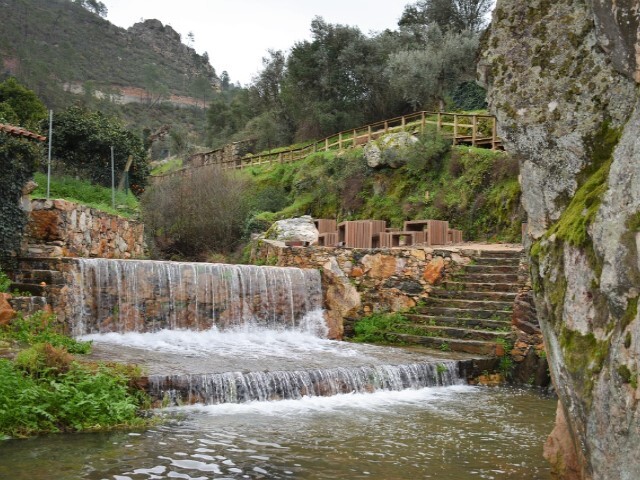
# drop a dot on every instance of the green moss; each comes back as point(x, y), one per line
point(630, 314)
point(584, 356)
point(627, 340)
point(572, 225)
point(624, 373)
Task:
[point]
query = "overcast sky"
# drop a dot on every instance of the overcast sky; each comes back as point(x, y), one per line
point(237, 33)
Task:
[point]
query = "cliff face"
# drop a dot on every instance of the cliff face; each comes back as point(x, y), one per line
point(563, 80)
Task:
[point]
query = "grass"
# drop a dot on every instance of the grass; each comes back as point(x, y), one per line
point(374, 328)
point(85, 193)
point(168, 166)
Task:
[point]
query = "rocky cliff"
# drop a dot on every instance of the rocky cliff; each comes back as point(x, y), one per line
point(563, 78)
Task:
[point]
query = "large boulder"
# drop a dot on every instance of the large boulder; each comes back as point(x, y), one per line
point(563, 81)
point(300, 229)
point(386, 151)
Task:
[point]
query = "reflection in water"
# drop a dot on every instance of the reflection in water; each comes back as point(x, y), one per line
point(451, 433)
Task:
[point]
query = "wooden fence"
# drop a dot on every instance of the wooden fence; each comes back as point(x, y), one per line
point(475, 130)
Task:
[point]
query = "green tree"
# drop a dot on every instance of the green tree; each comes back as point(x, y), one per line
point(82, 145)
point(425, 77)
point(94, 6)
point(20, 105)
point(457, 15)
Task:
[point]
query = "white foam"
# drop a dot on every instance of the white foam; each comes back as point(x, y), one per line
point(247, 340)
point(346, 404)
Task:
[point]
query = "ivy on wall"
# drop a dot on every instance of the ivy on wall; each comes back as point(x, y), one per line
point(18, 161)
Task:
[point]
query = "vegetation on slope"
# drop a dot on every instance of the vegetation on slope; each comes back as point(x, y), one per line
point(46, 389)
point(476, 190)
point(85, 193)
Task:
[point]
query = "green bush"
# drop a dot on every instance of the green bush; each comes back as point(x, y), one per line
point(5, 282)
point(83, 147)
point(427, 153)
point(372, 329)
point(81, 398)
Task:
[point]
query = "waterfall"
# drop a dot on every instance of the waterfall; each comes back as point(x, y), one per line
point(240, 387)
point(148, 296)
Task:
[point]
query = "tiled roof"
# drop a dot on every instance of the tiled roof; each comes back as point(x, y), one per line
point(20, 132)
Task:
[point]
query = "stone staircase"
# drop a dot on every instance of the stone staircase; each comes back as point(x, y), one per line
point(471, 311)
point(36, 278)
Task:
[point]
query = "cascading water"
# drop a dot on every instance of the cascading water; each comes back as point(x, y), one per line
point(239, 387)
point(147, 296)
point(213, 333)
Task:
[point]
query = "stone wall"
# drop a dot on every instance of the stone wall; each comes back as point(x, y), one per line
point(359, 282)
point(58, 228)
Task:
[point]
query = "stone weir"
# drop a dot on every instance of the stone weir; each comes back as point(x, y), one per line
point(100, 295)
point(213, 333)
point(241, 387)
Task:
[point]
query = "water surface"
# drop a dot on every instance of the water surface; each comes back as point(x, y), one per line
point(451, 433)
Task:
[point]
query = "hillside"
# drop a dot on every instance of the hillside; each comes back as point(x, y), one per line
point(66, 53)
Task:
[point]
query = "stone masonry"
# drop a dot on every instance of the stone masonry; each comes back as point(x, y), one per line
point(58, 228)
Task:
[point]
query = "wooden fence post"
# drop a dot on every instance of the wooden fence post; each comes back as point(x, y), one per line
point(355, 138)
point(326, 144)
point(474, 131)
point(403, 121)
point(340, 141)
point(455, 128)
point(386, 126)
point(439, 122)
point(368, 133)
point(494, 134)
point(423, 124)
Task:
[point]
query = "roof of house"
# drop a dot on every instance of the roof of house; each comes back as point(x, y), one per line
point(20, 132)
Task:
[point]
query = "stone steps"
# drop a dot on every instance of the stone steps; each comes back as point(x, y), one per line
point(510, 254)
point(50, 277)
point(461, 333)
point(487, 278)
point(468, 304)
point(480, 286)
point(465, 313)
point(515, 261)
point(471, 312)
point(477, 347)
point(28, 305)
point(473, 323)
point(471, 295)
point(507, 269)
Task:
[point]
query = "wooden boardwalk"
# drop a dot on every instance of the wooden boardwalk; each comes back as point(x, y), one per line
point(462, 129)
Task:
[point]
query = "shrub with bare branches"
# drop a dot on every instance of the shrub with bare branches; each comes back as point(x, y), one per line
point(198, 212)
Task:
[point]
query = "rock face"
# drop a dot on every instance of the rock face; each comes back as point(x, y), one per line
point(562, 79)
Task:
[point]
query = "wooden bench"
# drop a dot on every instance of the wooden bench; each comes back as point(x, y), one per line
point(394, 239)
point(455, 236)
point(429, 232)
point(329, 239)
point(359, 233)
point(326, 225)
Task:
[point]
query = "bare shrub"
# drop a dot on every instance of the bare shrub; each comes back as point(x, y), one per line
point(197, 213)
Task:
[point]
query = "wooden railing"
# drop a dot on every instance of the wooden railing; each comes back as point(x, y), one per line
point(475, 130)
